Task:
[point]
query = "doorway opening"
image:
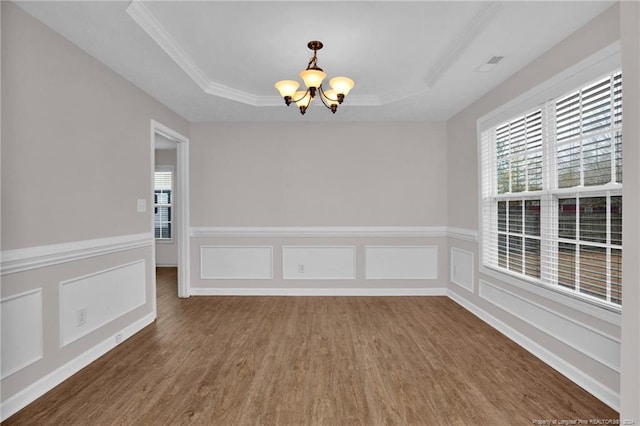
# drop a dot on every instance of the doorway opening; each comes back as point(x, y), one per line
point(170, 212)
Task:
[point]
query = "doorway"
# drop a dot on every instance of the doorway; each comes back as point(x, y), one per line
point(172, 145)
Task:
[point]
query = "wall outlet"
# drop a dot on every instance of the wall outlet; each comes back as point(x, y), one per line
point(81, 317)
point(118, 338)
point(300, 268)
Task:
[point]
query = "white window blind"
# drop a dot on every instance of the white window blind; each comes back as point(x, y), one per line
point(552, 193)
point(163, 203)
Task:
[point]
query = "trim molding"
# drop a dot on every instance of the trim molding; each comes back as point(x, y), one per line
point(600, 391)
point(20, 260)
point(400, 265)
point(599, 311)
point(226, 291)
point(549, 330)
point(334, 231)
point(39, 335)
point(463, 234)
point(238, 261)
point(59, 375)
point(453, 271)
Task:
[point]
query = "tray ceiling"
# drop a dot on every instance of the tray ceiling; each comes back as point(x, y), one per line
point(218, 60)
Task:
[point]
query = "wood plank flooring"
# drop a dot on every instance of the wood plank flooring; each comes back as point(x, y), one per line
point(313, 361)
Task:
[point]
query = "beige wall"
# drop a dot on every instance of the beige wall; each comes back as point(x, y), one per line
point(630, 381)
point(318, 174)
point(76, 156)
point(463, 209)
point(75, 140)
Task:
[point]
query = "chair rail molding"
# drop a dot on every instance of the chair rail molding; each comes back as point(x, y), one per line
point(20, 260)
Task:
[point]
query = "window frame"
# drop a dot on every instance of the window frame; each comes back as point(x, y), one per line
point(171, 205)
point(582, 75)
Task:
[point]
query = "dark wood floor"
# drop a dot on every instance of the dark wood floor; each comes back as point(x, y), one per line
point(313, 361)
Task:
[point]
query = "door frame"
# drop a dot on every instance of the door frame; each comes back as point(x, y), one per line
point(181, 206)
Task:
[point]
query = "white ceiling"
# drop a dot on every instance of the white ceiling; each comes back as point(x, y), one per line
point(218, 60)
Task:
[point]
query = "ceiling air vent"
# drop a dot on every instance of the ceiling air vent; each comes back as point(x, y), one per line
point(490, 63)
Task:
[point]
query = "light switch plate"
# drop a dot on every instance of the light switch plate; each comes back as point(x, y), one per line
point(142, 205)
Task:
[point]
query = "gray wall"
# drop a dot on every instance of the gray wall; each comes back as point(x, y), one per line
point(630, 381)
point(318, 174)
point(76, 157)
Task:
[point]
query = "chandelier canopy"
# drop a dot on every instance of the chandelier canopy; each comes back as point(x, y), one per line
point(313, 76)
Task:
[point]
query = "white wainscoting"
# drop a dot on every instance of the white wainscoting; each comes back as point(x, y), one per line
point(462, 268)
point(236, 262)
point(401, 262)
point(104, 296)
point(318, 262)
point(34, 391)
point(21, 331)
point(581, 378)
point(597, 345)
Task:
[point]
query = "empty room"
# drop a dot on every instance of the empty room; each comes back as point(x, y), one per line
point(320, 213)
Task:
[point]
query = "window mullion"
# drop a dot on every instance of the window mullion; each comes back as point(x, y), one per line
point(548, 205)
point(608, 272)
point(578, 246)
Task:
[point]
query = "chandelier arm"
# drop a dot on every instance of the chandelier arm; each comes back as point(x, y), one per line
point(323, 97)
point(333, 107)
point(301, 98)
point(327, 97)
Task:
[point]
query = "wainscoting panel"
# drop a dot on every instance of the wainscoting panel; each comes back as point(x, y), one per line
point(462, 268)
point(21, 331)
point(401, 262)
point(236, 262)
point(593, 343)
point(319, 262)
point(91, 301)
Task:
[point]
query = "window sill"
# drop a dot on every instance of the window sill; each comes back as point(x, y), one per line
point(590, 307)
point(164, 240)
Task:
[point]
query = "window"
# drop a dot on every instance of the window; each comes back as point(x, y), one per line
point(163, 203)
point(552, 193)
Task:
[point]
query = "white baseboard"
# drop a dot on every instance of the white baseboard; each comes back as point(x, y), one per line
point(53, 379)
point(318, 291)
point(579, 377)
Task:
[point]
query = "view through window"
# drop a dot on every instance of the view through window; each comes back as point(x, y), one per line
point(163, 203)
point(552, 192)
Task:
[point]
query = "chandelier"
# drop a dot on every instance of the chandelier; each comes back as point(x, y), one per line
point(312, 77)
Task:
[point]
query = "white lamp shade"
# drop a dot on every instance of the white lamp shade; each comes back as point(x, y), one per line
point(287, 87)
point(303, 101)
point(341, 85)
point(312, 78)
point(331, 97)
